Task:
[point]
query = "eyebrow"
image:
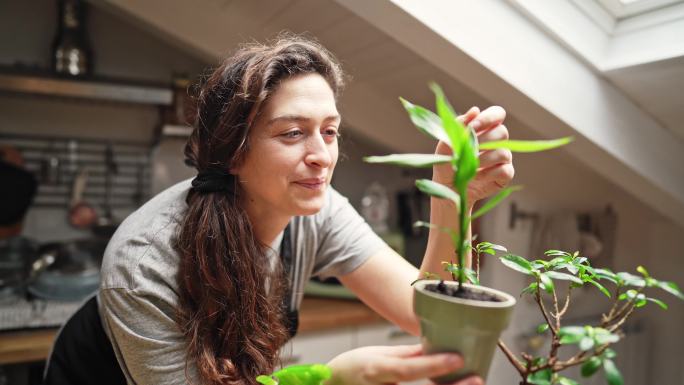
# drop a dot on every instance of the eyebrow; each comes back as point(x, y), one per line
point(298, 118)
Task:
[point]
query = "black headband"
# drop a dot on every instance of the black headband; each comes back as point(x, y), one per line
point(214, 180)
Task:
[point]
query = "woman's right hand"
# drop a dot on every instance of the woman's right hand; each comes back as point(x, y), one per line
point(375, 365)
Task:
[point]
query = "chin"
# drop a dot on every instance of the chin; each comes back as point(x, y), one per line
point(310, 207)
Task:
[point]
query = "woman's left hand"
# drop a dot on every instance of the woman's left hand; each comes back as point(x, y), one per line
point(496, 166)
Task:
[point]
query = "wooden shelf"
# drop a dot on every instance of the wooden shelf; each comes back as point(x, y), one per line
point(99, 90)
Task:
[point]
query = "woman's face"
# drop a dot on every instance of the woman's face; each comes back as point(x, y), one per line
point(292, 149)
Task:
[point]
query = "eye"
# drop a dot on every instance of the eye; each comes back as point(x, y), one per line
point(331, 132)
point(292, 134)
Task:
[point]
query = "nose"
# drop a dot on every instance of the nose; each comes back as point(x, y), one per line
point(318, 152)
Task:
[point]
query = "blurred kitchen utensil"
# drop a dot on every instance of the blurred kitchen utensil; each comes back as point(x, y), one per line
point(81, 214)
point(50, 173)
point(15, 256)
point(67, 271)
point(106, 225)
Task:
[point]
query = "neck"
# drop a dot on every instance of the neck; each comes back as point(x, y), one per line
point(266, 224)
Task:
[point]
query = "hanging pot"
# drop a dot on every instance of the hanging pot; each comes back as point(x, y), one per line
point(468, 327)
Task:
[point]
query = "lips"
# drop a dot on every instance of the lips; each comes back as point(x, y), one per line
point(311, 183)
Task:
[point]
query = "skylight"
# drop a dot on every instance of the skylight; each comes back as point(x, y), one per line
point(621, 9)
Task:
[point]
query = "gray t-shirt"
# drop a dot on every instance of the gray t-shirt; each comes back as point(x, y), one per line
point(139, 293)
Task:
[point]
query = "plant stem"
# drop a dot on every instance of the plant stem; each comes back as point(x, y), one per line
point(566, 305)
point(477, 263)
point(540, 302)
point(511, 357)
point(463, 234)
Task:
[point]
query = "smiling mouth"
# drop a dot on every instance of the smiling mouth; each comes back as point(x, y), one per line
point(311, 185)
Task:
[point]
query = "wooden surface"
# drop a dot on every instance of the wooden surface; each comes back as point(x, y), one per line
point(315, 314)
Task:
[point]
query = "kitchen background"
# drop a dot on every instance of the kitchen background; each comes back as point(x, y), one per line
point(570, 196)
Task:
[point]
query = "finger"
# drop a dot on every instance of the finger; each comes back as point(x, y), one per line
point(415, 368)
point(469, 115)
point(472, 380)
point(405, 350)
point(493, 157)
point(500, 174)
point(499, 132)
point(488, 118)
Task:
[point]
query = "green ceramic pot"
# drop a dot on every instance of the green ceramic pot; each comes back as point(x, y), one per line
point(471, 328)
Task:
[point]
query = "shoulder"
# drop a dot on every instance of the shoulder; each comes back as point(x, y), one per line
point(141, 250)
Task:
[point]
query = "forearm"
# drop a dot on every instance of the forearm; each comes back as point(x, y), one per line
point(440, 246)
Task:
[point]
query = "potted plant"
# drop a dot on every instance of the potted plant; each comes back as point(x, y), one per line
point(590, 344)
point(457, 316)
point(469, 318)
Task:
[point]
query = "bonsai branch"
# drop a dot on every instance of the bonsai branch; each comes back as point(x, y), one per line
point(566, 305)
point(540, 302)
point(511, 357)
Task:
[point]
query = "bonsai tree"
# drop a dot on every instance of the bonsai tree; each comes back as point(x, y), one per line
point(593, 341)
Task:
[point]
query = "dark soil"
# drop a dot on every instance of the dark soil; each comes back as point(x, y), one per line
point(464, 292)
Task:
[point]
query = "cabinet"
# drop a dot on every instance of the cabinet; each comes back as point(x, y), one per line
point(322, 346)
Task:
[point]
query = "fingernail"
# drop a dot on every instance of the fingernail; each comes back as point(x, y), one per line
point(452, 359)
point(475, 381)
point(475, 124)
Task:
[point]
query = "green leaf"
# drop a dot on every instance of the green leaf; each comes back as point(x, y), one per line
point(557, 253)
point(640, 300)
point(563, 276)
point(569, 266)
point(571, 334)
point(438, 190)
point(472, 276)
point(547, 283)
point(631, 279)
point(606, 274)
point(517, 263)
point(468, 163)
point(454, 129)
point(567, 381)
point(590, 366)
point(586, 343)
point(671, 288)
point(532, 288)
point(495, 200)
point(613, 375)
point(603, 337)
point(643, 271)
point(410, 160)
point(540, 377)
point(444, 229)
point(526, 145)
point(266, 380)
point(494, 246)
point(426, 121)
point(657, 302)
point(555, 261)
point(542, 328)
point(599, 286)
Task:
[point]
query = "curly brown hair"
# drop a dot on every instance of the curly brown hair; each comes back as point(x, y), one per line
point(233, 324)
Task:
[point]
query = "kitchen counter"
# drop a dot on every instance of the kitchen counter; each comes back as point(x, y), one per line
point(315, 314)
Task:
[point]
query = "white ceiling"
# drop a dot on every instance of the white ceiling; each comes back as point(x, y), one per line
point(381, 68)
point(636, 45)
point(391, 52)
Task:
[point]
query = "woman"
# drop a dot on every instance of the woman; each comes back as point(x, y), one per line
point(193, 289)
